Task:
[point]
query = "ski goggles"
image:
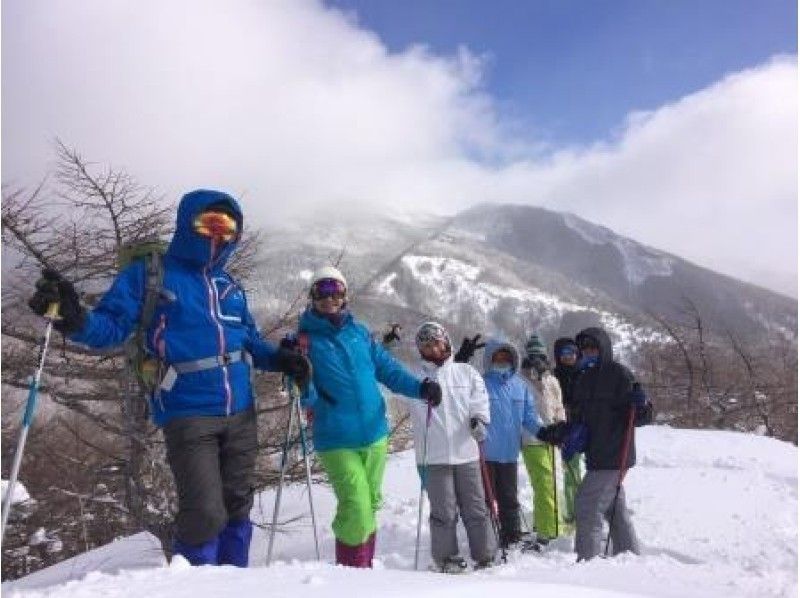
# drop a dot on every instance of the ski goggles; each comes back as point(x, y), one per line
point(569, 350)
point(429, 333)
point(215, 225)
point(328, 287)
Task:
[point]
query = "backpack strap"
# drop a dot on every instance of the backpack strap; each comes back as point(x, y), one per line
point(152, 289)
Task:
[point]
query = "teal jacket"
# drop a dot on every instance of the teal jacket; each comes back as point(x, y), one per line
point(349, 409)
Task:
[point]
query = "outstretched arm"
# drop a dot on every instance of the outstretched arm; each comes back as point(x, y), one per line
point(393, 374)
point(118, 312)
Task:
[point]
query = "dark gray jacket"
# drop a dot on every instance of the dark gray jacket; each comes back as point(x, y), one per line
point(601, 396)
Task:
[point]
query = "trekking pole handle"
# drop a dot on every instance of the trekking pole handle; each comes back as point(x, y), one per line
point(52, 312)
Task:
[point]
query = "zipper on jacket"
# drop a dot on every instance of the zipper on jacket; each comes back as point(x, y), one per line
point(159, 344)
point(212, 301)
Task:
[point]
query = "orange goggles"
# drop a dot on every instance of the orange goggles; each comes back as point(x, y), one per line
point(215, 225)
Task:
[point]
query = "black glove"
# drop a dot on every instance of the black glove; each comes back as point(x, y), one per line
point(52, 288)
point(477, 427)
point(295, 365)
point(468, 348)
point(392, 335)
point(637, 396)
point(430, 392)
point(554, 433)
point(288, 342)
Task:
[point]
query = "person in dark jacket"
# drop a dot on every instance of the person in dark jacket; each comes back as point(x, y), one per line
point(565, 352)
point(610, 403)
point(206, 342)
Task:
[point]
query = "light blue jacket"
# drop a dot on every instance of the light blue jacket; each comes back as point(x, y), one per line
point(206, 315)
point(512, 405)
point(349, 409)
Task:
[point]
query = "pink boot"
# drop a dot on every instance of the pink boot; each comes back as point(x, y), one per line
point(355, 556)
point(370, 550)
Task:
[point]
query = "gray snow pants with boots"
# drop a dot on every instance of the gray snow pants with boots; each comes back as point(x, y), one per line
point(213, 460)
point(595, 502)
point(454, 490)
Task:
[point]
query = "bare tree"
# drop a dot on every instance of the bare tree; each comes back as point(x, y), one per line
point(77, 224)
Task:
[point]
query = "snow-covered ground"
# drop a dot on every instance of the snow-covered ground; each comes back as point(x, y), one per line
point(716, 511)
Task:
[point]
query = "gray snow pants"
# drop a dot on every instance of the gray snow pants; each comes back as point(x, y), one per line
point(454, 490)
point(593, 503)
point(213, 461)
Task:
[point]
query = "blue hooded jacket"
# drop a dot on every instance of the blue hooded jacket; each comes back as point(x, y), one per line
point(349, 409)
point(512, 406)
point(208, 317)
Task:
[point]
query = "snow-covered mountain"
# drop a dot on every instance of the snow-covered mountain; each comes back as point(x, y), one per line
point(716, 513)
point(509, 270)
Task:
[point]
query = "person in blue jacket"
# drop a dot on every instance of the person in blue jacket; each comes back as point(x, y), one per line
point(349, 414)
point(205, 342)
point(512, 407)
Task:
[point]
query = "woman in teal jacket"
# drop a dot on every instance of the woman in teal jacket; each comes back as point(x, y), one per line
point(512, 406)
point(349, 414)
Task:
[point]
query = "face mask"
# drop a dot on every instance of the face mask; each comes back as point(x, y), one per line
point(587, 362)
point(501, 368)
point(539, 364)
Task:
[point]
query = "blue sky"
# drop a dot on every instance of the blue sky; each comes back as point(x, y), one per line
point(571, 70)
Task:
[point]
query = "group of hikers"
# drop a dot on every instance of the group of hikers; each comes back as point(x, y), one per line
point(469, 428)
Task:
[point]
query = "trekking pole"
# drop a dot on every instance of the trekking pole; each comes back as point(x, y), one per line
point(33, 392)
point(494, 511)
point(555, 487)
point(284, 462)
point(622, 470)
point(294, 392)
point(423, 478)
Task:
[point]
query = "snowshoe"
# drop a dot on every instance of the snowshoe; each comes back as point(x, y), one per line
point(452, 565)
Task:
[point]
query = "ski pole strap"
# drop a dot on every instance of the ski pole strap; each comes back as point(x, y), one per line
point(198, 365)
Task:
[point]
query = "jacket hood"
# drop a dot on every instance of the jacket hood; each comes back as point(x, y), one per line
point(601, 338)
point(493, 346)
point(186, 243)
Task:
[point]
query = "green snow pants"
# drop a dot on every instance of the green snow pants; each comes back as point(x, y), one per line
point(539, 462)
point(356, 476)
point(572, 479)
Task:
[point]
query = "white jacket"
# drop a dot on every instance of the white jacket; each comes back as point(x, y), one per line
point(549, 403)
point(463, 397)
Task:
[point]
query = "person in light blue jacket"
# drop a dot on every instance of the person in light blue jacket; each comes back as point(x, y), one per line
point(512, 407)
point(348, 410)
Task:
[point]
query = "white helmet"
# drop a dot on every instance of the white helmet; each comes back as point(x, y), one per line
point(328, 272)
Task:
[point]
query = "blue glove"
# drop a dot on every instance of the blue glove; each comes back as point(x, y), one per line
point(637, 396)
point(576, 440)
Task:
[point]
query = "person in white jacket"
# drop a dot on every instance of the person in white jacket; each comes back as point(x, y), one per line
point(539, 457)
point(450, 459)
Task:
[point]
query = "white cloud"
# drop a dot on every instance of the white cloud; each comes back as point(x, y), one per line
point(292, 105)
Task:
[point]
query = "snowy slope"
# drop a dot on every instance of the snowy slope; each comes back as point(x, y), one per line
point(717, 513)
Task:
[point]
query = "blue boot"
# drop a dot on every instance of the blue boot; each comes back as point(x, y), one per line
point(206, 553)
point(234, 543)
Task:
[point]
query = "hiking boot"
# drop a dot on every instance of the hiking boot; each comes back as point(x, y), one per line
point(452, 565)
point(484, 564)
point(537, 545)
